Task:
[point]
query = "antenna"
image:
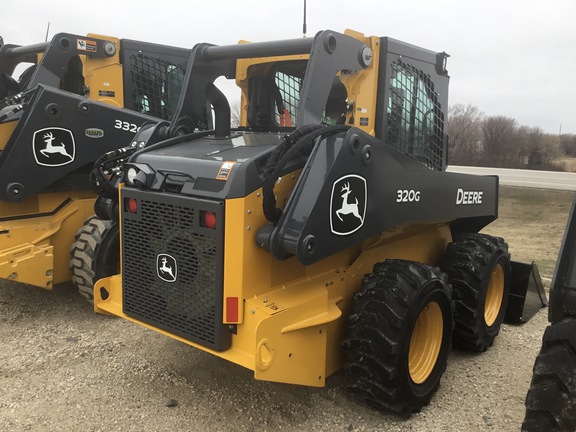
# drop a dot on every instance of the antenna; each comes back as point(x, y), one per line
point(304, 25)
point(47, 31)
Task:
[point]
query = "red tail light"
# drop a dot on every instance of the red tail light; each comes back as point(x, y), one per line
point(232, 309)
point(208, 220)
point(132, 205)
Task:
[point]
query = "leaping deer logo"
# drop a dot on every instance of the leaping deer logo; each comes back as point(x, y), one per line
point(348, 208)
point(51, 148)
point(165, 268)
point(348, 204)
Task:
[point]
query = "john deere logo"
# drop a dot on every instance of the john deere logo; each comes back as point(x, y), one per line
point(94, 133)
point(166, 267)
point(53, 147)
point(348, 204)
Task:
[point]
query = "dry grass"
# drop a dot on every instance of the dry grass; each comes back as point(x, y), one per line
point(533, 222)
point(568, 162)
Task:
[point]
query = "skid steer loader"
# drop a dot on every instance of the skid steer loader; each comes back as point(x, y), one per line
point(322, 233)
point(79, 97)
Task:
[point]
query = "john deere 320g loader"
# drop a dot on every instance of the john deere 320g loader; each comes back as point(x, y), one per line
point(322, 233)
point(80, 97)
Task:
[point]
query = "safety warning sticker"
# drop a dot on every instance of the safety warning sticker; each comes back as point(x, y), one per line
point(86, 45)
point(225, 170)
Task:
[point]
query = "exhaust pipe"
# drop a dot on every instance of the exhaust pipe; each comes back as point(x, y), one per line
point(221, 110)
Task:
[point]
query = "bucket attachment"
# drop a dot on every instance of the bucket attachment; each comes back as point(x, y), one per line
point(527, 294)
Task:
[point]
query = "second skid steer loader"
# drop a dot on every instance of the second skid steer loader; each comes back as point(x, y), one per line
point(77, 98)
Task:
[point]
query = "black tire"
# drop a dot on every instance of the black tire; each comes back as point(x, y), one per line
point(478, 268)
point(551, 399)
point(94, 254)
point(403, 312)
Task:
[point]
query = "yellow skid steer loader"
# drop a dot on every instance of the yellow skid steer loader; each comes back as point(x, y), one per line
point(76, 98)
point(322, 233)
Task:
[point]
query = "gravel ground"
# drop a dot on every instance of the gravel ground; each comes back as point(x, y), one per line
point(64, 368)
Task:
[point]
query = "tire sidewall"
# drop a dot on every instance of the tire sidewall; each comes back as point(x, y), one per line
point(498, 258)
point(434, 291)
point(108, 254)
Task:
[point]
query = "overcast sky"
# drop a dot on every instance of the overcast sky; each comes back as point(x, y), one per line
point(515, 58)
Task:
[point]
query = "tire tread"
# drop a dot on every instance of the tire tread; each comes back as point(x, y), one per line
point(467, 264)
point(374, 337)
point(83, 254)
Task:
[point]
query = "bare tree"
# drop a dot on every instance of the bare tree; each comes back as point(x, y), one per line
point(235, 114)
point(499, 141)
point(540, 150)
point(568, 144)
point(465, 134)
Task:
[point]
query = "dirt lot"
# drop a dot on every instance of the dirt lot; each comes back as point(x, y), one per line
point(62, 367)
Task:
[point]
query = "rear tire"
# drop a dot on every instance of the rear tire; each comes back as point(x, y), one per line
point(95, 254)
point(478, 268)
point(551, 399)
point(398, 336)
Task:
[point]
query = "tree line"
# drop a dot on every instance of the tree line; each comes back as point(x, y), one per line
point(498, 141)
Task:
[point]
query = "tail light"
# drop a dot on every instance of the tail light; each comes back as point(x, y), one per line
point(131, 205)
point(208, 219)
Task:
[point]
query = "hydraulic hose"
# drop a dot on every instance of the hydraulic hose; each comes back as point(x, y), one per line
point(102, 176)
point(299, 143)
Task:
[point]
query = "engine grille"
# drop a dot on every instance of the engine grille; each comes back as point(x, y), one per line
point(172, 267)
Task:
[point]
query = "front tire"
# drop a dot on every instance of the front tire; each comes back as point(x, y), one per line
point(478, 268)
point(398, 336)
point(551, 399)
point(95, 254)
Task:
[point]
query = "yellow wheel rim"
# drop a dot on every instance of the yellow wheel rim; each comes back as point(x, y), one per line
point(425, 342)
point(494, 295)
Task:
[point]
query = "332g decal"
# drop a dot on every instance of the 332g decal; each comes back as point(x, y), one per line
point(125, 126)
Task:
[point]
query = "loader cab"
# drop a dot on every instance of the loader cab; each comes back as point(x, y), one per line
point(289, 86)
point(274, 95)
point(140, 76)
point(268, 90)
point(400, 96)
point(152, 79)
point(413, 102)
point(408, 114)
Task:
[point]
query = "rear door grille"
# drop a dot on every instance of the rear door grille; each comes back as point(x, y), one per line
point(172, 266)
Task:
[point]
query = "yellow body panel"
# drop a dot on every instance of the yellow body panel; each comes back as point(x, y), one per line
point(246, 281)
point(6, 130)
point(105, 75)
point(291, 319)
point(362, 87)
point(36, 250)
